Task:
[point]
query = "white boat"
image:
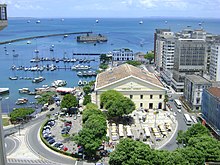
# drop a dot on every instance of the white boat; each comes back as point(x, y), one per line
point(59, 83)
point(97, 21)
point(13, 78)
point(80, 67)
point(24, 90)
point(80, 83)
point(141, 22)
point(38, 79)
point(28, 42)
point(21, 101)
point(28, 21)
point(38, 21)
point(65, 36)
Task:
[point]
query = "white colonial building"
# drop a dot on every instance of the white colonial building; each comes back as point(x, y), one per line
point(141, 86)
point(123, 54)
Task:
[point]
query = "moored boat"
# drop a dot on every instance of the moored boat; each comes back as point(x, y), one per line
point(21, 101)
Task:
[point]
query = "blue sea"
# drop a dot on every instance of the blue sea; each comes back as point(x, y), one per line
point(121, 33)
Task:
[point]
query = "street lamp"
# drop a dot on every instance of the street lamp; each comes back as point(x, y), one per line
point(155, 113)
point(2, 142)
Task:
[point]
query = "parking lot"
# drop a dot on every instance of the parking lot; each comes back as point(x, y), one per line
point(59, 130)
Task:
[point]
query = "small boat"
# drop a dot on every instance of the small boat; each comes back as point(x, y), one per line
point(85, 82)
point(79, 74)
point(38, 79)
point(32, 93)
point(141, 22)
point(13, 78)
point(24, 90)
point(62, 19)
point(28, 21)
point(15, 55)
point(59, 83)
point(80, 83)
point(38, 21)
point(28, 42)
point(65, 36)
point(97, 21)
point(21, 101)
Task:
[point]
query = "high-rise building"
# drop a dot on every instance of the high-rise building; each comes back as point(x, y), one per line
point(159, 38)
point(211, 108)
point(189, 58)
point(3, 24)
point(193, 87)
point(3, 16)
point(215, 62)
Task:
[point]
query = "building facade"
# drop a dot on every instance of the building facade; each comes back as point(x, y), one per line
point(3, 24)
point(142, 87)
point(159, 39)
point(3, 16)
point(211, 108)
point(215, 62)
point(123, 54)
point(193, 88)
point(189, 58)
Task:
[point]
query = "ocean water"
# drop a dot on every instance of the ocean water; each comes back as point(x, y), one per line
point(126, 32)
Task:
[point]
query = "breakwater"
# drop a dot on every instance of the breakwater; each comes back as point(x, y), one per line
point(42, 36)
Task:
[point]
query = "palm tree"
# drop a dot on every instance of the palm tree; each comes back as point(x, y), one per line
point(165, 100)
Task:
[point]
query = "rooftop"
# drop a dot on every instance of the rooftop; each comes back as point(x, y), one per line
point(215, 91)
point(197, 79)
point(123, 71)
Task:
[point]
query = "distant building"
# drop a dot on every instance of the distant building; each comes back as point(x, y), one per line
point(123, 54)
point(3, 16)
point(189, 58)
point(211, 108)
point(141, 86)
point(215, 62)
point(193, 89)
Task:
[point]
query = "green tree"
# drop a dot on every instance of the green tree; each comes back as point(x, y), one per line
point(131, 152)
point(46, 97)
point(89, 112)
point(196, 130)
point(134, 63)
point(87, 99)
point(103, 66)
point(109, 95)
point(87, 89)
point(20, 113)
point(69, 101)
point(149, 56)
point(91, 106)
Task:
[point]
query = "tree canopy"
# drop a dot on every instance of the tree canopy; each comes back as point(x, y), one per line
point(116, 104)
point(46, 97)
point(134, 63)
point(200, 147)
point(87, 89)
point(149, 56)
point(93, 131)
point(69, 101)
point(20, 113)
point(87, 99)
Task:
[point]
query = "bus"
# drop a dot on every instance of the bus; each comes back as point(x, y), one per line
point(188, 119)
point(177, 104)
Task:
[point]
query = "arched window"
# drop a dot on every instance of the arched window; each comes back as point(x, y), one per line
point(160, 106)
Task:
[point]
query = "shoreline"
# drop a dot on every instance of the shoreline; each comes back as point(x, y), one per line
point(41, 36)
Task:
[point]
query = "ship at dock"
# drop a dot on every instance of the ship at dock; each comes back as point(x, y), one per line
point(91, 38)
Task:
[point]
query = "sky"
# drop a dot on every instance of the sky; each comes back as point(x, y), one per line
point(113, 8)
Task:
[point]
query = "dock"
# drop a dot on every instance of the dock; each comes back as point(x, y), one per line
point(4, 90)
point(42, 36)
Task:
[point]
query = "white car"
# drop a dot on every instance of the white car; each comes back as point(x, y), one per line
point(174, 114)
point(179, 110)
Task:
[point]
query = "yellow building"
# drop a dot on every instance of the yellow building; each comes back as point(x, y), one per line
point(141, 86)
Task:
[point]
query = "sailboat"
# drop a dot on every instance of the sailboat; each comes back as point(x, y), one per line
point(141, 22)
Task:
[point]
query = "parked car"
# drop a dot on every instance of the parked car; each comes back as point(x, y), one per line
point(51, 109)
point(51, 141)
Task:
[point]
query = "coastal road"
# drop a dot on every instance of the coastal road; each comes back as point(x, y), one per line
point(34, 143)
point(11, 145)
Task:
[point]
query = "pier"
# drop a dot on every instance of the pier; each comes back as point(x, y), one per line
point(42, 36)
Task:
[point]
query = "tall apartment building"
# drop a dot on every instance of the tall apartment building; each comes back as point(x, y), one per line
point(211, 108)
point(123, 54)
point(189, 58)
point(3, 24)
point(159, 39)
point(193, 89)
point(3, 16)
point(215, 62)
